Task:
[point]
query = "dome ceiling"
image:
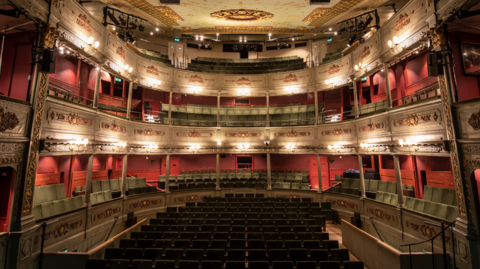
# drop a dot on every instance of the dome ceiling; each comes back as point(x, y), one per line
point(244, 17)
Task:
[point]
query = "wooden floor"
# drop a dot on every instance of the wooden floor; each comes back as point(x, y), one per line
point(335, 233)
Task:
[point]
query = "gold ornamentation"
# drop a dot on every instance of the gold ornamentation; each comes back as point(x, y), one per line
point(474, 121)
point(241, 15)
point(48, 36)
point(437, 36)
point(34, 143)
point(315, 14)
point(333, 12)
point(453, 150)
point(162, 13)
point(243, 30)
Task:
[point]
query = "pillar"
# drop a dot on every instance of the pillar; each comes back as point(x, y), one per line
point(319, 167)
point(269, 172)
point(268, 110)
point(89, 181)
point(129, 102)
point(387, 85)
point(218, 110)
point(355, 98)
point(97, 87)
point(170, 109)
point(218, 173)
point(124, 176)
point(362, 178)
point(167, 173)
point(398, 177)
point(316, 107)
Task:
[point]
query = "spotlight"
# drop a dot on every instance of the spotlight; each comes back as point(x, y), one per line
point(329, 29)
point(361, 25)
point(123, 22)
point(151, 33)
point(133, 26)
point(156, 29)
point(361, 40)
point(352, 40)
point(130, 38)
point(112, 18)
point(141, 27)
point(201, 38)
point(351, 27)
point(342, 30)
point(335, 33)
point(368, 21)
point(114, 28)
point(293, 38)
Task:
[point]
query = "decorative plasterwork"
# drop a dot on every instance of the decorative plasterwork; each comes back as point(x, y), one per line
point(48, 36)
point(291, 134)
point(105, 213)
point(132, 206)
point(241, 15)
point(414, 119)
point(163, 14)
point(190, 198)
point(436, 36)
point(316, 14)
point(243, 134)
point(371, 127)
point(60, 230)
point(380, 214)
point(474, 121)
point(337, 132)
point(243, 30)
point(335, 11)
point(194, 134)
point(343, 203)
point(11, 147)
point(113, 127)
point(149, 132)
point(8, 120)
point(474, 149)
point(72, 119)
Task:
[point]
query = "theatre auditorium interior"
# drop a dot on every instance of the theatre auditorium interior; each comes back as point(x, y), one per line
point(240, 134)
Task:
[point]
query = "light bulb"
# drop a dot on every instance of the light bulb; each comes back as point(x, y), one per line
point(113, 28)
point(395, 40)
point(329, 29)
point(326, 81)
point(90, 40)
point(151, 33)
point(356, 67)
point(126, 67)
point(390, 43)
point(130, 70)
point(335, 33)
point(156, 29)
point(96, 44)
point(400, 141)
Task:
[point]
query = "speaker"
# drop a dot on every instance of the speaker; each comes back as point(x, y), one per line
point(264, 155)
point(434, 65)
point(135, 85)
point(223, 156)
point(46, 61)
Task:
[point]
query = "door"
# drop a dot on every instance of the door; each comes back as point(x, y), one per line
point(314, 172)
point(174, 166)
point(7, 175)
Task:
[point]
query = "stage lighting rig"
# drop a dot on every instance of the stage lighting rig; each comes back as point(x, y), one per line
point(125, 20)
point(360, 23)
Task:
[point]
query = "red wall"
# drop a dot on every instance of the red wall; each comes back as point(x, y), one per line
point(468, 86)
point(416, 69)
point(290, 162)
point(289, 99)
point(198, 162)
point(16, 65)
point(228, 162)
point(66, 69)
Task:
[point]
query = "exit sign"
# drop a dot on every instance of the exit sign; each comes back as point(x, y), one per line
point(329, 40)
point(364, 79)
point(118, 80)
point(177, 39)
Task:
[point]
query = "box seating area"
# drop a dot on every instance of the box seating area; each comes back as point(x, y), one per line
point(332, 56)
point(372, 107)
point(156, 57)
point(247, 66)
point(231, 233)
point(138, 186)
point(207, 181)
point(206, 115)
point(50, 200)
point(352, 186)
point(285, 179)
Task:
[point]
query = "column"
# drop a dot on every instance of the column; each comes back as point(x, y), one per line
point(218, 110)
point(362, 178)
point(319, 167)
point(89, 181)
point(218, 172)
point(398, 176)
point(269, 172)
point(97, 87)
point(268, 109)
point(129, 102)
point(387, 85)
point(167, 174)
point(170, 109)
point(355, 98)
point(124, 176)
point(316, 107)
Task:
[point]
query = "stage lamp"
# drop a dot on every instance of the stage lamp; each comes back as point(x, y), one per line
point(130, 38)
point(112, 18)
point(351, 27)
point(151, 33)
point(352, 40)
point(141, 27)
point(156, 29)
point(133, 25)
point(123, 22)
point(368, 21)
point(361, 25)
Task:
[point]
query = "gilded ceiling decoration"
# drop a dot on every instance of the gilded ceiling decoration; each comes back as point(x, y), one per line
point(316, 14)
point(336, 10)
point(242, 30)
point(241, 15)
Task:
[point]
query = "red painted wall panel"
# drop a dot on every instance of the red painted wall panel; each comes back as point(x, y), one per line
point(289, 99)
point(81, 162)
point(416, 69)
point(66, 69)
point(46, 164)
point(259, 162)
point(16, 65)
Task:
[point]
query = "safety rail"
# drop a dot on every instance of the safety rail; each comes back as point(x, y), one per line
point(442, 232)
point(417, 96)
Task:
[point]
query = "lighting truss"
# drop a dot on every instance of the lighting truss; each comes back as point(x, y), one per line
point(127, 21)
point(360, 23)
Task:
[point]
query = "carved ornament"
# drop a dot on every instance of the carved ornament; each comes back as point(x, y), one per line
point(474, 121)
point(241, 15)
point(436, 36)
point(48, 36)
point(8, 120)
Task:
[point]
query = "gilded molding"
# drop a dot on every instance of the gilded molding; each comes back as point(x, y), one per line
point(48, 36)
point(35, 142)
point(437, 36)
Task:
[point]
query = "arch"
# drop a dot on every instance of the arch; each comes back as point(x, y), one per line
point(92, 77)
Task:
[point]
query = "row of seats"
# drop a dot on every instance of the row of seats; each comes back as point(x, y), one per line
point(247, 67)
point(113, 185)
point(293, 186)
point(213, 264)
point(439, 195)
point(174, 186)
point(372, 107)
point(243, 171)
point(332, 56)
point(240, 110)
point(48, 209)
point(156, 57)
point(221, 61)
point(138, 186)
point(48, 193)
point(448, 212)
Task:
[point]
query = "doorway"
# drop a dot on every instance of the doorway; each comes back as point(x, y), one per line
point(7, 175)
point(244, 161)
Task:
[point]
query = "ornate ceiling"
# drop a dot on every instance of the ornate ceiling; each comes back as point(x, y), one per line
point(245, 16)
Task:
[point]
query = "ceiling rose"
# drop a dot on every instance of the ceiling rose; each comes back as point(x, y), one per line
point(241, 15)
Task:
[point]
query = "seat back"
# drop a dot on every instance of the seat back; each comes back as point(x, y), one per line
point(437, 194)
point(105, 185)
point(115, 184)
point(51, 193)
point(60, 190)
point(142, 182)
point(382, 186)
point(427, 193)
point(96, 186)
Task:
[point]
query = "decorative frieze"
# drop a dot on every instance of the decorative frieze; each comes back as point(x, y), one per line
point(149, 132)
point(337, 132)
point(414, 120)
point(132, 206)
point(380, 214)
point(60, 230)
point(72, 119)
point(343, 203)
point(371, 127)
point(113, 127)
point(8, 120)
point(243, 134)
point(291, 134)
point(474, 121)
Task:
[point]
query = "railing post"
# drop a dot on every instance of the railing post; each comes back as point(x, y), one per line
point(170, 109)
point(167, 174)
point(316, 107)
point(269, 173)
point(398, 176)
point(218, 173)
point(129, 102)
point(124, 176)
point(362, 177)
point(218, 109)
point(387, 85)
point(319, 170)
point(89, 181)
point(268, 109)
point(355, 98)
point(97, 87)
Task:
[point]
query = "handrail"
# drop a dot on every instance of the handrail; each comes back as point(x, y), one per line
point(417, 94)
point(442, 232)
point(327, 189)
point(375, 227)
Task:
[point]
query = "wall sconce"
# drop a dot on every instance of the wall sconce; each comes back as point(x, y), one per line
point(291, 148)
point(196, 90)
point(243, 92)
point(359, 66)
point(92, 46)
point(150, 147)
point(266, 142)
point(194, 148)
point(331, 82)
point(77, 143)
point(154, 83)
point(244, 147)
point(393, 45)
point(119, 146)
point(290, 90)
point(408, 143)
point(367, 147)
point(335, 147)
point(219, 143)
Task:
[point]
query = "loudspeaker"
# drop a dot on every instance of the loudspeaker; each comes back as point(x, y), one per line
point(135, 85)
point(264, 155)
point(223, 156)
point(434, 65)
point(46, 61)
